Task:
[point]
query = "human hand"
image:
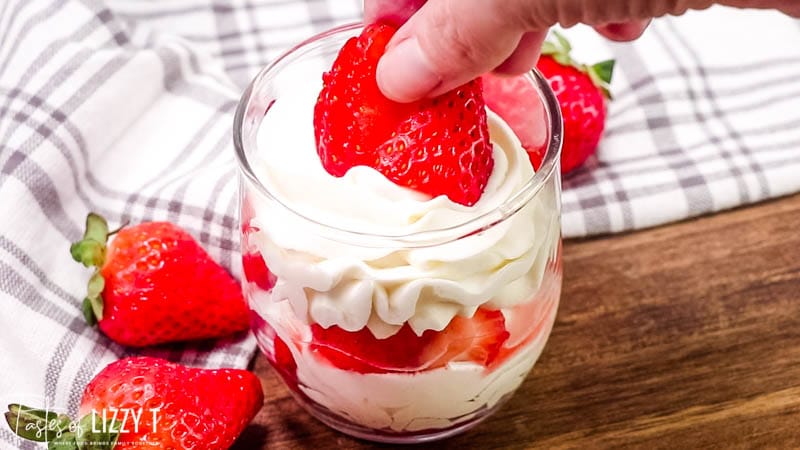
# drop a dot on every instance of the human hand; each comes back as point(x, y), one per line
point(445, 43)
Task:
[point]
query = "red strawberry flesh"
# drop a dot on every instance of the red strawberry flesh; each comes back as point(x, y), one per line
point(516, 100)
point(161, 286)
point(582, 108)
point(256, 271)
point(360, 351)
point(195, 408)
point(477, 339)
point(436, 146)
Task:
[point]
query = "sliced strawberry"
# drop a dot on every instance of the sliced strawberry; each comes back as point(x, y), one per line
point(517, 102)
point(278, 354)
point(283, 356)
point(256, 271)
point(350, 104)
point(285, 363)
point(436, 146)
point(360, 351)
point(443, 148)
point(477, 339)
point(527, 321)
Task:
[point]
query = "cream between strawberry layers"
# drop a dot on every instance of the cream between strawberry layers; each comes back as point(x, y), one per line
point(409, 402)
point(334, 283)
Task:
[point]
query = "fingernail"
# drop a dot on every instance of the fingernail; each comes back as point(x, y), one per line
point(405, 74)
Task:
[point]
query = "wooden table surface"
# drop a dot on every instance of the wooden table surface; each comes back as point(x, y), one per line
point(683, 336)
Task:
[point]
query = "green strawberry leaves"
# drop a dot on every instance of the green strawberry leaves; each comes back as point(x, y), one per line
point(563, 42)
point(600, 73)
point(93, 303)
point(603, 70)
point(91, 252)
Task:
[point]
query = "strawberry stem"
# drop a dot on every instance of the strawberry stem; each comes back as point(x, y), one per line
point(95, 290)
point(116, 230)
point(35, 424)
point(91, 252)
point(88, 312)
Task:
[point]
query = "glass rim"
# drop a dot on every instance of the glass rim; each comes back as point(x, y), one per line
point(521, 196)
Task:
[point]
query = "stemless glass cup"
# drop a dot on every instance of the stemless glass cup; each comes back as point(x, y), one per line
point(480, 295)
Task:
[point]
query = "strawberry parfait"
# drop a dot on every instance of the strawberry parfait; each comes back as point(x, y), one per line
point(401, 261)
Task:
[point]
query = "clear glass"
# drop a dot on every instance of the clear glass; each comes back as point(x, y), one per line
point(399, 337)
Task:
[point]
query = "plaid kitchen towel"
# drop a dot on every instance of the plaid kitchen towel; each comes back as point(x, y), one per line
point(125, 107)
point(705, 117)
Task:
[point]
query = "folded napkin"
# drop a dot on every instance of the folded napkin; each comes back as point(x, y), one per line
point(125, 107)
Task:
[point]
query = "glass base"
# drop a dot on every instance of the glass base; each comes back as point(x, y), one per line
point(527, 351)
point(391, 437)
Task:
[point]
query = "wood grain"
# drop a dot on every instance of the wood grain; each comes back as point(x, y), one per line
point(684, 336)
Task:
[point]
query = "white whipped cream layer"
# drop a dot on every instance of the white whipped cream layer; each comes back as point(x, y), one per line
point(435, 399)
point(333, 283)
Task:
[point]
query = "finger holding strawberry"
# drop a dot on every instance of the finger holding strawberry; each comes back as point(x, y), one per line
point(437, 146)
point(153, 284)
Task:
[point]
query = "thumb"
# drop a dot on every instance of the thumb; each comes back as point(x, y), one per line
point(445, 44)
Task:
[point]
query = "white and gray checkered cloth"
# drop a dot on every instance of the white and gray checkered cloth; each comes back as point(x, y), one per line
point(125, 107)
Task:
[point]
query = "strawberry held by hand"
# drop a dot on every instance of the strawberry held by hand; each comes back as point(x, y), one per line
point(150, 403)
point(581, 91)
point(155, 284)
point(437, 146)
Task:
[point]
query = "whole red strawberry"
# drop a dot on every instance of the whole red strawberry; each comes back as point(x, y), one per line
point(148, 402)
point(516, 100)
point(581, 91)
point(437, 146)
point(155, 284)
